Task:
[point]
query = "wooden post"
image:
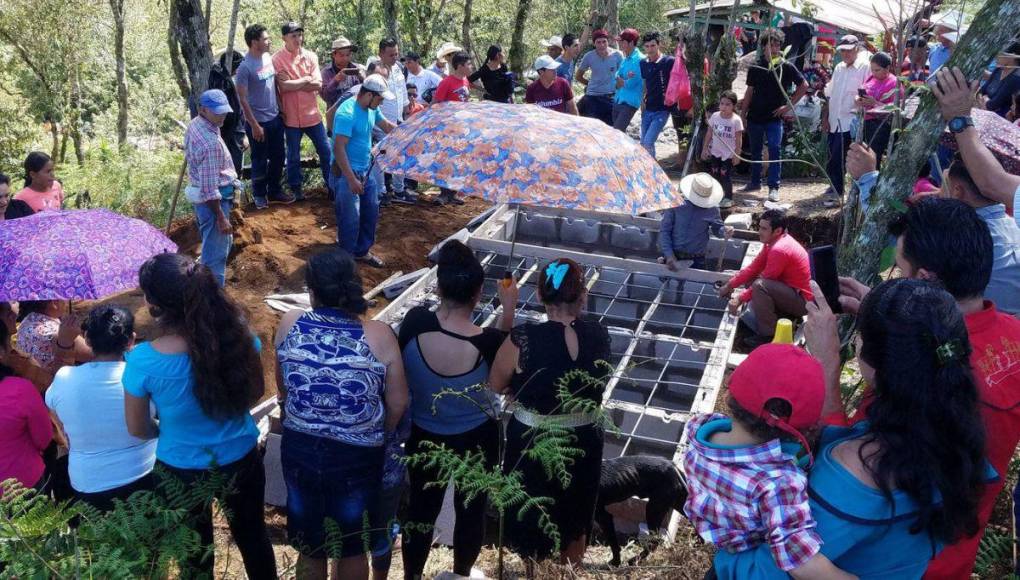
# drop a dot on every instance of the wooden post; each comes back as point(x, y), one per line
point(177, 194)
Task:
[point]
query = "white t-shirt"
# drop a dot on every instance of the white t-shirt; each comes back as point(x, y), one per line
point(724, 135)
point(89, 401)
point(424, 81)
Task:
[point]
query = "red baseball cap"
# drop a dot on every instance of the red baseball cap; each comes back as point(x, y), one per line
point(629, 34)
point(781, 371)
point(600, 33)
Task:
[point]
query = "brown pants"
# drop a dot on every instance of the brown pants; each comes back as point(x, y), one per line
point(770, 300)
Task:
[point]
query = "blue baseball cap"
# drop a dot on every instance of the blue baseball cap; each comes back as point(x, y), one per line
point(216, 101)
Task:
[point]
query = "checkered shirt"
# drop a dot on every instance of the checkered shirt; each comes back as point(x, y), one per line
point(741, 498)
point(209, 163)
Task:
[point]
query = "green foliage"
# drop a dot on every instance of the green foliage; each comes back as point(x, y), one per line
point(995, 548)
point(16, 138)
point(805, 145)
point(140, 538)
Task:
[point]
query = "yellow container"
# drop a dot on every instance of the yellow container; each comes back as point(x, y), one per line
point(784, 332)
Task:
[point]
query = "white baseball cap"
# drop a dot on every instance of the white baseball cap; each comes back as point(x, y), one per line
point(951, 19)
point(377, 84)
point(556, 41)
point(546, 62)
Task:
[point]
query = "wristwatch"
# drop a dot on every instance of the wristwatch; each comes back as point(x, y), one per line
point(960, 124)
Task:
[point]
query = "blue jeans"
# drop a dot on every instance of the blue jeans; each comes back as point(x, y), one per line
point(356, 215)
point(396, 181)
point(317, 133)
point(329, 479)
point(215, 245)
point(652, 123)
point(267, 159)
point(772, 134)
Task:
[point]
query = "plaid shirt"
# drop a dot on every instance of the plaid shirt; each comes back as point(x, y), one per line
point(209, 163)
point(740, 498)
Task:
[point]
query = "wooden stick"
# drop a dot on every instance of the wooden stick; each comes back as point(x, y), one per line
point(379, 287)
point(177, 193)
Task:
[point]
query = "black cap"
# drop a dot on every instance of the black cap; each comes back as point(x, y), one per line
point(291, 27)
point(412, 56)
point(915, 42)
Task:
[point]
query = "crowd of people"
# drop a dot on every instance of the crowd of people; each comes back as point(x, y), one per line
point(791, 481)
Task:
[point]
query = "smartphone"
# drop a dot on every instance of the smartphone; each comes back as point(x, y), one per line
point(823, 271)
point(862, 93)
point(351, 70)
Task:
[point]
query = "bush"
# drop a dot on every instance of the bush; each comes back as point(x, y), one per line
point(133, 182)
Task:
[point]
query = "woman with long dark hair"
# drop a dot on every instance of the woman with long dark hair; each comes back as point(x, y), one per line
point(42, 191)
point(446, 352)
point(879, 90)
point(890, 491)
point(105, 461)
point(343, 393)
point(549, 369)
point(495, 77)
point(202, 375)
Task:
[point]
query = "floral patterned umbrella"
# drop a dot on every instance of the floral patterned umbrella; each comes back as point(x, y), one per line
point(1000, 136)
point(526, 154)
point(74, 254)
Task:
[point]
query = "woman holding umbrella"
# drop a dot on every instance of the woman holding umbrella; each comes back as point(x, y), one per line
point(535, 365)
point(202, 375)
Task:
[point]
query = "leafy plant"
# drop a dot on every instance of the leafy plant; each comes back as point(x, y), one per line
point(995, 548)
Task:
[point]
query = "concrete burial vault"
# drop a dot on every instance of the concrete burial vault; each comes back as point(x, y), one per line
point(671, 335)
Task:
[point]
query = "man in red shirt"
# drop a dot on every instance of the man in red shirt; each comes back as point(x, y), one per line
point(454, 88)
point(550, 91)
point(945, 241)
point(780, 279)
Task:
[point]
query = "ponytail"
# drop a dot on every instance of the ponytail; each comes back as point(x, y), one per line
point(35, 161)
point(225, 364)
point(334, 279)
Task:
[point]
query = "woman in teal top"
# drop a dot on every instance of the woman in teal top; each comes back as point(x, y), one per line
point(202, 375)
point(890, 491)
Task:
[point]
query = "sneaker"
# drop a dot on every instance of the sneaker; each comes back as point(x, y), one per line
point(405, 197)
point(751, 187)
point(439, 200)
point(385, 200)
point(773, 194)
point(281, 198)
point(261, 203)
point(726, 203)
point(830, 201)
point(299, 196)
point(370, 260)
point(452, 199)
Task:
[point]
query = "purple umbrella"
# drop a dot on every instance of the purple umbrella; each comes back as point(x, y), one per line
point(74, 254)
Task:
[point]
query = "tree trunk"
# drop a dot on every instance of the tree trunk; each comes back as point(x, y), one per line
point(517, 49)
point(230, 37)
point(79, 150)
point(465, 28)
point(208, 15)
point(612, 17)
point(861, 258)
point(55, 134)
point(175, 56)
point(189, 26)
point(362, 14)
point(117, 7)
point(391, 14)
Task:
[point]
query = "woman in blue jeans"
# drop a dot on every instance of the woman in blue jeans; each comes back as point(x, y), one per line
point(202, 375)
point(889, 492)
point(343, 391)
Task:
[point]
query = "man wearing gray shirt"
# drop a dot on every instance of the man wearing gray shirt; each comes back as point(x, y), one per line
point(603, 62)
point(256, 90)
point(683, 232)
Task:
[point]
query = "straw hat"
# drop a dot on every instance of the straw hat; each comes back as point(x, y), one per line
point(446, 49)
point(702, 190)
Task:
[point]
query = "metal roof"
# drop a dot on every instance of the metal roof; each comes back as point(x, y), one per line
point(850, 15)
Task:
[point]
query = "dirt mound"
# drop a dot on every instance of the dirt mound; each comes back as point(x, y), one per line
point(271, 247)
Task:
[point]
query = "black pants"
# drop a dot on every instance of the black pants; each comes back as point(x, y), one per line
point(835, 169)
point(721, 170)
point(103, 500)
point(233, 140)
point(597, 107)
point(244, 504)
point(877, 133)
point(424, 503)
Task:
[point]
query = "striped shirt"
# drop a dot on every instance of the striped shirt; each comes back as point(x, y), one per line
point(209, 163)
point(742, 497)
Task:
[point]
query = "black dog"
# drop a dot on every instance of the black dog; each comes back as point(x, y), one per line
point(653, 478)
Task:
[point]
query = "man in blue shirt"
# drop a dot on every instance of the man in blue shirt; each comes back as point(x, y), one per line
point(357, 190)
point(629, 85)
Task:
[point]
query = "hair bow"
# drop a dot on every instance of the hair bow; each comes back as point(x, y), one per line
point(554, 274)
point(949, 351)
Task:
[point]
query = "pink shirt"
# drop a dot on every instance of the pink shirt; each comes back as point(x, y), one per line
point(51, 199)
point(300, 108)
point(25, 431)
point(882, 91)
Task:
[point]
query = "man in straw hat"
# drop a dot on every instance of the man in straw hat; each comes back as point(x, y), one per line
point(779, 280)
point(683, 234)
point(553, 45)
point(443, 53)
point(342, 73)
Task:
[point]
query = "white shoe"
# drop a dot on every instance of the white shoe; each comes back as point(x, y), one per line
point(773, 194)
